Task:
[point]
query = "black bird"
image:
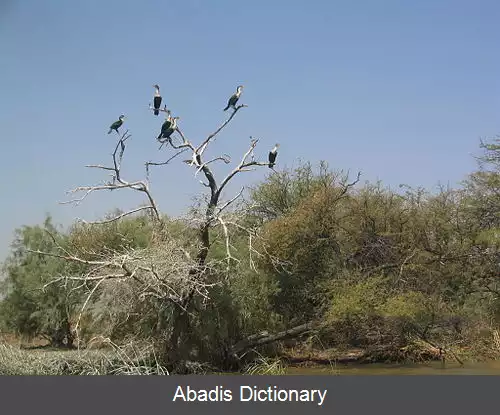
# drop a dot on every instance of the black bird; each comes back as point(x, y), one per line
point(168, 127)
point(234, 98)
point(157, 99)
point(117, 124)
point(272, 156)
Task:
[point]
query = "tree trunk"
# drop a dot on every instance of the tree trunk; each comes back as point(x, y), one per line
point(62, 336)
point(178, 347)
point(265, 338)
point(180, 343)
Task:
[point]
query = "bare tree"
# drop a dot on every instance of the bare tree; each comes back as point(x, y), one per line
point(161, 272)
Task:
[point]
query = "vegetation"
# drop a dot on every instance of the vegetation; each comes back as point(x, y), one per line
point(312, 263)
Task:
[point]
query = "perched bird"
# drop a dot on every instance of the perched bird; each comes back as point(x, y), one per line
point(168, 127)
point(165, 127)
point(157, 99)
point(117, 124)
point(234, 99)
point(272, 156)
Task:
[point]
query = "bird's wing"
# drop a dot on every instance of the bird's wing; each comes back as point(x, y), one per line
point(166, 125)
point(233, 99)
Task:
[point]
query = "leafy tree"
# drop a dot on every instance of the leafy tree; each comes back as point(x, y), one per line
point(32, 306)
point(306, 239)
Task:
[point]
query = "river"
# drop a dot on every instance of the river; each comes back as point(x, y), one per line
point(434, 368)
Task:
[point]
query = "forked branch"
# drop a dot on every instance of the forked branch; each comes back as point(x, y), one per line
point(118, 182)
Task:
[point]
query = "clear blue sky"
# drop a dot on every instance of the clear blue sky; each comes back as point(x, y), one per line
point(399, 89)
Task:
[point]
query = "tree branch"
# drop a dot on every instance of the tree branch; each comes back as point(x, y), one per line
point(151, 163)
point(139, 186)
point(201, 148)
point(242, 166)
point(130, 212)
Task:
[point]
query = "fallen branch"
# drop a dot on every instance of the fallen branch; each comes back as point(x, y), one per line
point(259, 340)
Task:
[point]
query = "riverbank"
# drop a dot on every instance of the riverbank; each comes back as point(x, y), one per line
point(43, 361)
point(387, 369)
point(382, 354)
point(37, 358)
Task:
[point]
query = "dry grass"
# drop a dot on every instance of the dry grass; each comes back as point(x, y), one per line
point(266, 366)
point(127, 360)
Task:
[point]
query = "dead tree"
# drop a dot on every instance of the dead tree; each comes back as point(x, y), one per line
point(190, 275)
point(213, 217)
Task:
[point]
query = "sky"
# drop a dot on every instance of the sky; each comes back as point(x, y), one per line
point(401, 90)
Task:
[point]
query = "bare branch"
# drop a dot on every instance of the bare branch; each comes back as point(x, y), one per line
point(225, 158)
point(139, 186)
point(229, 257)
point(98, 166)
point(243, 165)
point(150, 163)
point(230, 201)
point(349, 185)
point(164, 109)
point(130, 212)
point(204, 144)
point(71, 258)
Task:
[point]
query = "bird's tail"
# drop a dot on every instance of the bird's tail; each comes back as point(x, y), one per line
point(109, 132)
point(156, 112)
point(225, 109)
point(271, 165)
point(159, 137)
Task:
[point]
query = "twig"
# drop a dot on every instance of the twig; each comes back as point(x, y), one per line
point(151, 163)
point(139, 186)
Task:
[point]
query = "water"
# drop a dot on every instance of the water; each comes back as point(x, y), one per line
point(434, 368)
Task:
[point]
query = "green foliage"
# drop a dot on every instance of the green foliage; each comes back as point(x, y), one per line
point(89, 241)
point(32, 305)
point(357, 300)
point(410, 305)
point(374, 265)
point(284, 190)
point(252, 293)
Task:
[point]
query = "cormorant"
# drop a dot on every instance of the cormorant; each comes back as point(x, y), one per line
point(234, 99)
point(168, 127)
point(272, 156)
point(116, 124)
point(157, 99)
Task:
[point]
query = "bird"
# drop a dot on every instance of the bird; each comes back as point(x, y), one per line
point(234, 98)
point(168, 127)
point(272, 156)
point(157, 99)
point(117, 124)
